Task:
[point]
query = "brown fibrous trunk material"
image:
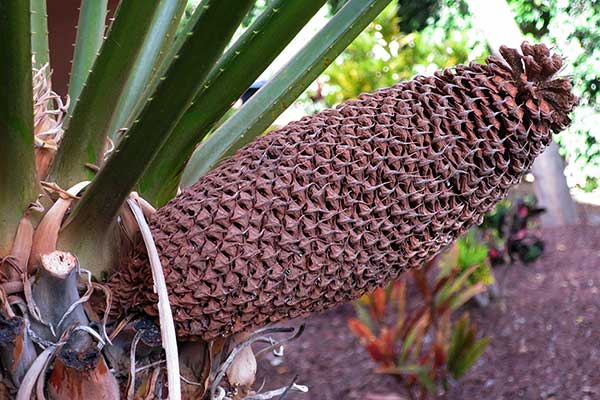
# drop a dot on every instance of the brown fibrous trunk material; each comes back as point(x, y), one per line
point(82, 375)
point(17, 352)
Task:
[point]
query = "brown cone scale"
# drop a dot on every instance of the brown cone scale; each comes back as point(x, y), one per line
point(329, 207)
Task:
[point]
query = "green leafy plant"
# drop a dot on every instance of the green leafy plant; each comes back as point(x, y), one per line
point(422, 344)
point(469, 251)
point(507, 231)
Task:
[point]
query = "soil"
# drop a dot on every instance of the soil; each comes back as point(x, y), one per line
point(544, 330)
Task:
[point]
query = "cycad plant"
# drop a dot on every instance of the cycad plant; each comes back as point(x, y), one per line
point(302, 219)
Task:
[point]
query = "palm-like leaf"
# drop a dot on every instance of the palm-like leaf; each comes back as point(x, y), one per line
point(243, 62)
point(275, 97)
point(39, 32)
point(158, 41)
point(90, 34)
point(85, 137)
point(215, 24)
point(18, 186)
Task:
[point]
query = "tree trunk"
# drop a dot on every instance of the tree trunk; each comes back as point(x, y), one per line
point(495, 20)
point(551, 189)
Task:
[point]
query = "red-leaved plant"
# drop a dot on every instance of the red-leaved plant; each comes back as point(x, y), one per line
point(420, 343)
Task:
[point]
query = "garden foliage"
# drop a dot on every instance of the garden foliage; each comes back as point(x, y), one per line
point(421, 342)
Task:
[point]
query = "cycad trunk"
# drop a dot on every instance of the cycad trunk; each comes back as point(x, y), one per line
point(329, 207)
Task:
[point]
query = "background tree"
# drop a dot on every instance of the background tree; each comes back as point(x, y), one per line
point(573, 25)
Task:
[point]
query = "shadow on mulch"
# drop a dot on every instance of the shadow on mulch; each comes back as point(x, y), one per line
point(544, 329)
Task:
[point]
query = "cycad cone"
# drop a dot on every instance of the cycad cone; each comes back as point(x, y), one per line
point(329, 207)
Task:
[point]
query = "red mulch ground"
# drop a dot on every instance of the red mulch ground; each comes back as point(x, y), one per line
point(544, 329)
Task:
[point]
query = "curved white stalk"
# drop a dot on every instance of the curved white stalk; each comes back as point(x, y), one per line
point(167, 327)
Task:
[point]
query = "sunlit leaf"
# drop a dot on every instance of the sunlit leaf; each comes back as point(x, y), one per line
point(414, 334)
point(360, 329)
point(448, 261)
point(363, 315)
point(467, 295)
point(454, 286)
point(427, 383)
point(406, 369)
point(469, 358)
point(379, 301)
